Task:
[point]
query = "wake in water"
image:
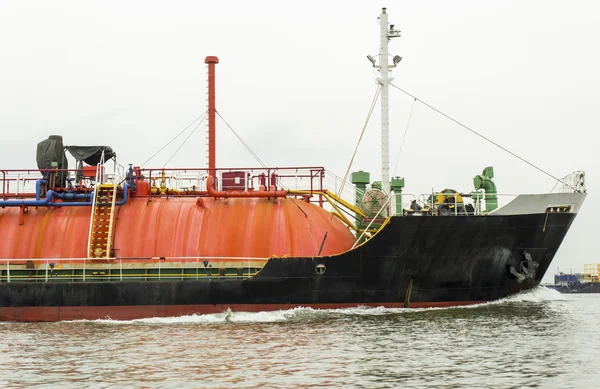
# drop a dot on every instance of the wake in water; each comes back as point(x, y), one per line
point(539, 294)
point(224, 317)
point(536, 295)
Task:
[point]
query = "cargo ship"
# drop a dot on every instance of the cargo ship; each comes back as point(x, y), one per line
point(135, 242)
point(586, 282)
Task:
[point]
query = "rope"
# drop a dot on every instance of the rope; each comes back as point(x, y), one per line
point(404, 136)
point(171, 141)
point(186, 139)
point(377, 92)
point(479, 135)
point(241, 140)
point(257, 159)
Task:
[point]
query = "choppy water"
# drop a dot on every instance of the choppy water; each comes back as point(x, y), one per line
point(537, 339)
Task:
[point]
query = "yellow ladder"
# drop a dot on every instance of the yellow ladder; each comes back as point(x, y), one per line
point(100, 240)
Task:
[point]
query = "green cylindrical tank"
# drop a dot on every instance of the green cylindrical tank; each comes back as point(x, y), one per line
point(360, 180)
point(397, 184)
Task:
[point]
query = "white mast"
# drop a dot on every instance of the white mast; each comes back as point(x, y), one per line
point(387, 32)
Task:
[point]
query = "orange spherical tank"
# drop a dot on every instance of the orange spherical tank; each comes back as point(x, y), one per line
point(179, 227)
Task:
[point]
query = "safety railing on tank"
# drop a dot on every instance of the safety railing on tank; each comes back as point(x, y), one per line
point(189, 181)
point(128, 269)
point(18, 183)
point(310, 184)
point(193, 181)
point(22, 183)
point(344, 189)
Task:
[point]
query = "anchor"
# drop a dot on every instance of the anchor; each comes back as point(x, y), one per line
point(526, 268)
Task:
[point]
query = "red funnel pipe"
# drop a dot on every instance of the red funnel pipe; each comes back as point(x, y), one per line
point(210, 187)
point(212, 142)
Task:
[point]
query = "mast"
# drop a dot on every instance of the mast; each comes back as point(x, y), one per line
point(386, 33)
point(385, 115)
point(212, 146)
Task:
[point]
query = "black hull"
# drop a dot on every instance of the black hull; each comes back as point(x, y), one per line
point(437, 260)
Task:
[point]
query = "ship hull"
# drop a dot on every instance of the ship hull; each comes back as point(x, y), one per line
point(412, 261)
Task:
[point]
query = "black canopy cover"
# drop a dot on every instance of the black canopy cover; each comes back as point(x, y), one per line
point(53, 150)
point(91, 154)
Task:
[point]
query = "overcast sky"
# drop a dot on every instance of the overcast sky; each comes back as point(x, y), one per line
point(294, 82)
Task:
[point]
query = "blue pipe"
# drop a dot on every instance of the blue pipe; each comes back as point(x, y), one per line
point(37, 202)
point(47, 200)
point(38, 184)
point(62, 196)
point(70, 195)
point(125, 195)
point(84, 203)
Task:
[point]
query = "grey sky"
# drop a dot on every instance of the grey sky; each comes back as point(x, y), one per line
point(294, 82)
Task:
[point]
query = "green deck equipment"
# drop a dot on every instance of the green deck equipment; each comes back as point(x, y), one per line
point(485, 181)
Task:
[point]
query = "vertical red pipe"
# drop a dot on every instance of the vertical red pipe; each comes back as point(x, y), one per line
point(212, 143)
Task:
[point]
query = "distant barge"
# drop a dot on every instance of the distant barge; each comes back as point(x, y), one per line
point(586, 282)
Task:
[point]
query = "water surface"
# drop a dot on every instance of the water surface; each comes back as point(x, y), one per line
point(537, 339)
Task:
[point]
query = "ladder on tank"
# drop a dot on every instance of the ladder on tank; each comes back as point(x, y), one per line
point(103, 211)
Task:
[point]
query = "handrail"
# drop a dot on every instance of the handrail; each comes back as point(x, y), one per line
point(343, 202)
point(46, 268)
point(180, 177)
point(112, 218)
point(139, 259)
point(114, 277)
point(92, 213)
point(210, 181)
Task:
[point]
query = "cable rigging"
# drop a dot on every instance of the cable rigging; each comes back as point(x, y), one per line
point(362, 133)
point(241, 140)
point(176, 136)
point(256, 157)
point(185, 140)
point(404, 136)
point(478, 134)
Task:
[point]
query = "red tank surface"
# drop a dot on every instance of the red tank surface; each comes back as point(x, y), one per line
point(244, 222)
point(179, 227)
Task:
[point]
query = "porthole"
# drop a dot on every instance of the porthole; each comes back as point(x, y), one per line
point(320, 269)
